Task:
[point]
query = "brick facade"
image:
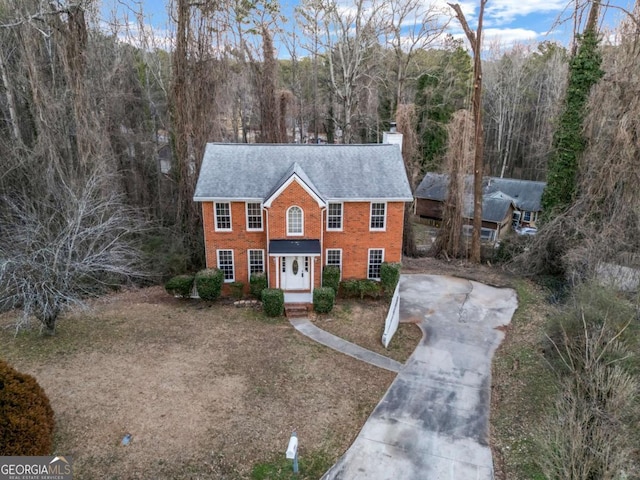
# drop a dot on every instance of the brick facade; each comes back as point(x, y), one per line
point(354, 240)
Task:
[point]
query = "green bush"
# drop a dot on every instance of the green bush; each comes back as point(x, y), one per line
point(257, 283)
point(349, 288)
point(209, 283)
point(361, 289)
point(369, 288)
point(389, 277)
point(26, 417)
point(180, 285)
point(273, 302)
point(237, 289)
point(331, 277)
point(323, 299)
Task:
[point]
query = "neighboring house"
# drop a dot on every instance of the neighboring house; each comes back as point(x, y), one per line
point(506, 203)
point(289, 210)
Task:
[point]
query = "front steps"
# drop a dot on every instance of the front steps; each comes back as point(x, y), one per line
point(296, 310)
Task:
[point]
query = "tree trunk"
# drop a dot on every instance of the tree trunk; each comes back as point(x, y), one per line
point(475, 39)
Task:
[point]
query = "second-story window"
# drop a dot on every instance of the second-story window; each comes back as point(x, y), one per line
point(223, 216)
point(254, 216)
point(378, 216)
point(334, 216)
point(295, 221)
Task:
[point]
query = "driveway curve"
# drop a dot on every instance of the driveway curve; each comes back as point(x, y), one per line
point(433, 422)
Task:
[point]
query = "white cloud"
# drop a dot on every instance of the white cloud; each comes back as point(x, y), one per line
point(506, 37)
point(501, 12)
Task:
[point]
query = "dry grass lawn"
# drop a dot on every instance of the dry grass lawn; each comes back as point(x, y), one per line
point(206, 391)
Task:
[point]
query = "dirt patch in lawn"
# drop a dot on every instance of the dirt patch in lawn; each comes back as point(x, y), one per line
point(206, 391)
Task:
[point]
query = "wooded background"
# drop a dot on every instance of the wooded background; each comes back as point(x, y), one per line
point(90, 107)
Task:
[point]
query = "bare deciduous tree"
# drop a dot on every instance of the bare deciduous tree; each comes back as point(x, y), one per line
point(411, 26)
point(351, 32)
point(55, 251)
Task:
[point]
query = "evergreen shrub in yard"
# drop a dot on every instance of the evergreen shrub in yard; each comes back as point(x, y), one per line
point(331, 277)
point(323, 299)
point(209, 283)
point(360, 289)
point(273, 302)
point(389, 277)
point(26, 417)
point(257, 283)
point(180, 285)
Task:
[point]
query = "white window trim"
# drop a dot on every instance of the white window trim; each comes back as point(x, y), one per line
point(369, 261)
point(233, 263)
point(215, 218)
point(386, 208)
point(329, 229)
point(326, 259)
point(246, 211)
point(301, 234)
point(264, 265)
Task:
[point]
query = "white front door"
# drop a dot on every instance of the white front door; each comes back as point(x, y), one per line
point(295, 273)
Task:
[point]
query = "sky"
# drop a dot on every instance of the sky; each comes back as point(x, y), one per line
point(505, 21)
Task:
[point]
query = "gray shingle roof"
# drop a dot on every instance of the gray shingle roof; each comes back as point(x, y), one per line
point(336, 172)
point(526, 195)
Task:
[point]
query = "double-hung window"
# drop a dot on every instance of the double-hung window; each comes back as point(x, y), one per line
point(256, 262)
point(254, 216)
point(223, 216)
point(225, 263)
point(334, 216)
point(334, 257)
point(376, 257)
point(378, 216)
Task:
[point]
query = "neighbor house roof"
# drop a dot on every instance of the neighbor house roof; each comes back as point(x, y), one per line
point(334, 172)
point(526, 195)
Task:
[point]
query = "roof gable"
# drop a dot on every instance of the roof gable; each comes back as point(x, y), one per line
point(295, 174)
point(331, 172)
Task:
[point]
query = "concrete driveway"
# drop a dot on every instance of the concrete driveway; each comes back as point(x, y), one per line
point(433, 422)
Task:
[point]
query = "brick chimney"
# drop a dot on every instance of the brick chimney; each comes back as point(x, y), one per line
point(392, 136)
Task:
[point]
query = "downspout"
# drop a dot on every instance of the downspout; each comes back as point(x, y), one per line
point(322, 224)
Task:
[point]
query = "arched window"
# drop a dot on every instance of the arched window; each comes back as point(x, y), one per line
point(295, 221)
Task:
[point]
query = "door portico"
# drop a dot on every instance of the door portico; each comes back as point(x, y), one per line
point(294, 262)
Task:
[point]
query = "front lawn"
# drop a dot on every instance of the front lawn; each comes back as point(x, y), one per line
point(205, 390)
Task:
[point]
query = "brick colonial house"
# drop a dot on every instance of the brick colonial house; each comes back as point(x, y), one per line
point(289, 210)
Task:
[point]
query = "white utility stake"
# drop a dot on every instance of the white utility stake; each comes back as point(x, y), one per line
point(292, 451)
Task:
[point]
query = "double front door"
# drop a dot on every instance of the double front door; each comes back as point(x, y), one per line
point(295, 273)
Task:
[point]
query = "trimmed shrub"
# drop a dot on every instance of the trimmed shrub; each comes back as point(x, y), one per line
point(331, 277)
point(369, 288)
point(26, 417)
point(323, 299)
point(257, 283)
point(273, 302)
point(180, 285)
point(361, 289)
point(349, 288)
point(237, 289)
point(209, 283)
point(389, 277)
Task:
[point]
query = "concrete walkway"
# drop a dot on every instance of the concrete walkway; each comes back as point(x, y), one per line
point(433, 422)
point(327, 339)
